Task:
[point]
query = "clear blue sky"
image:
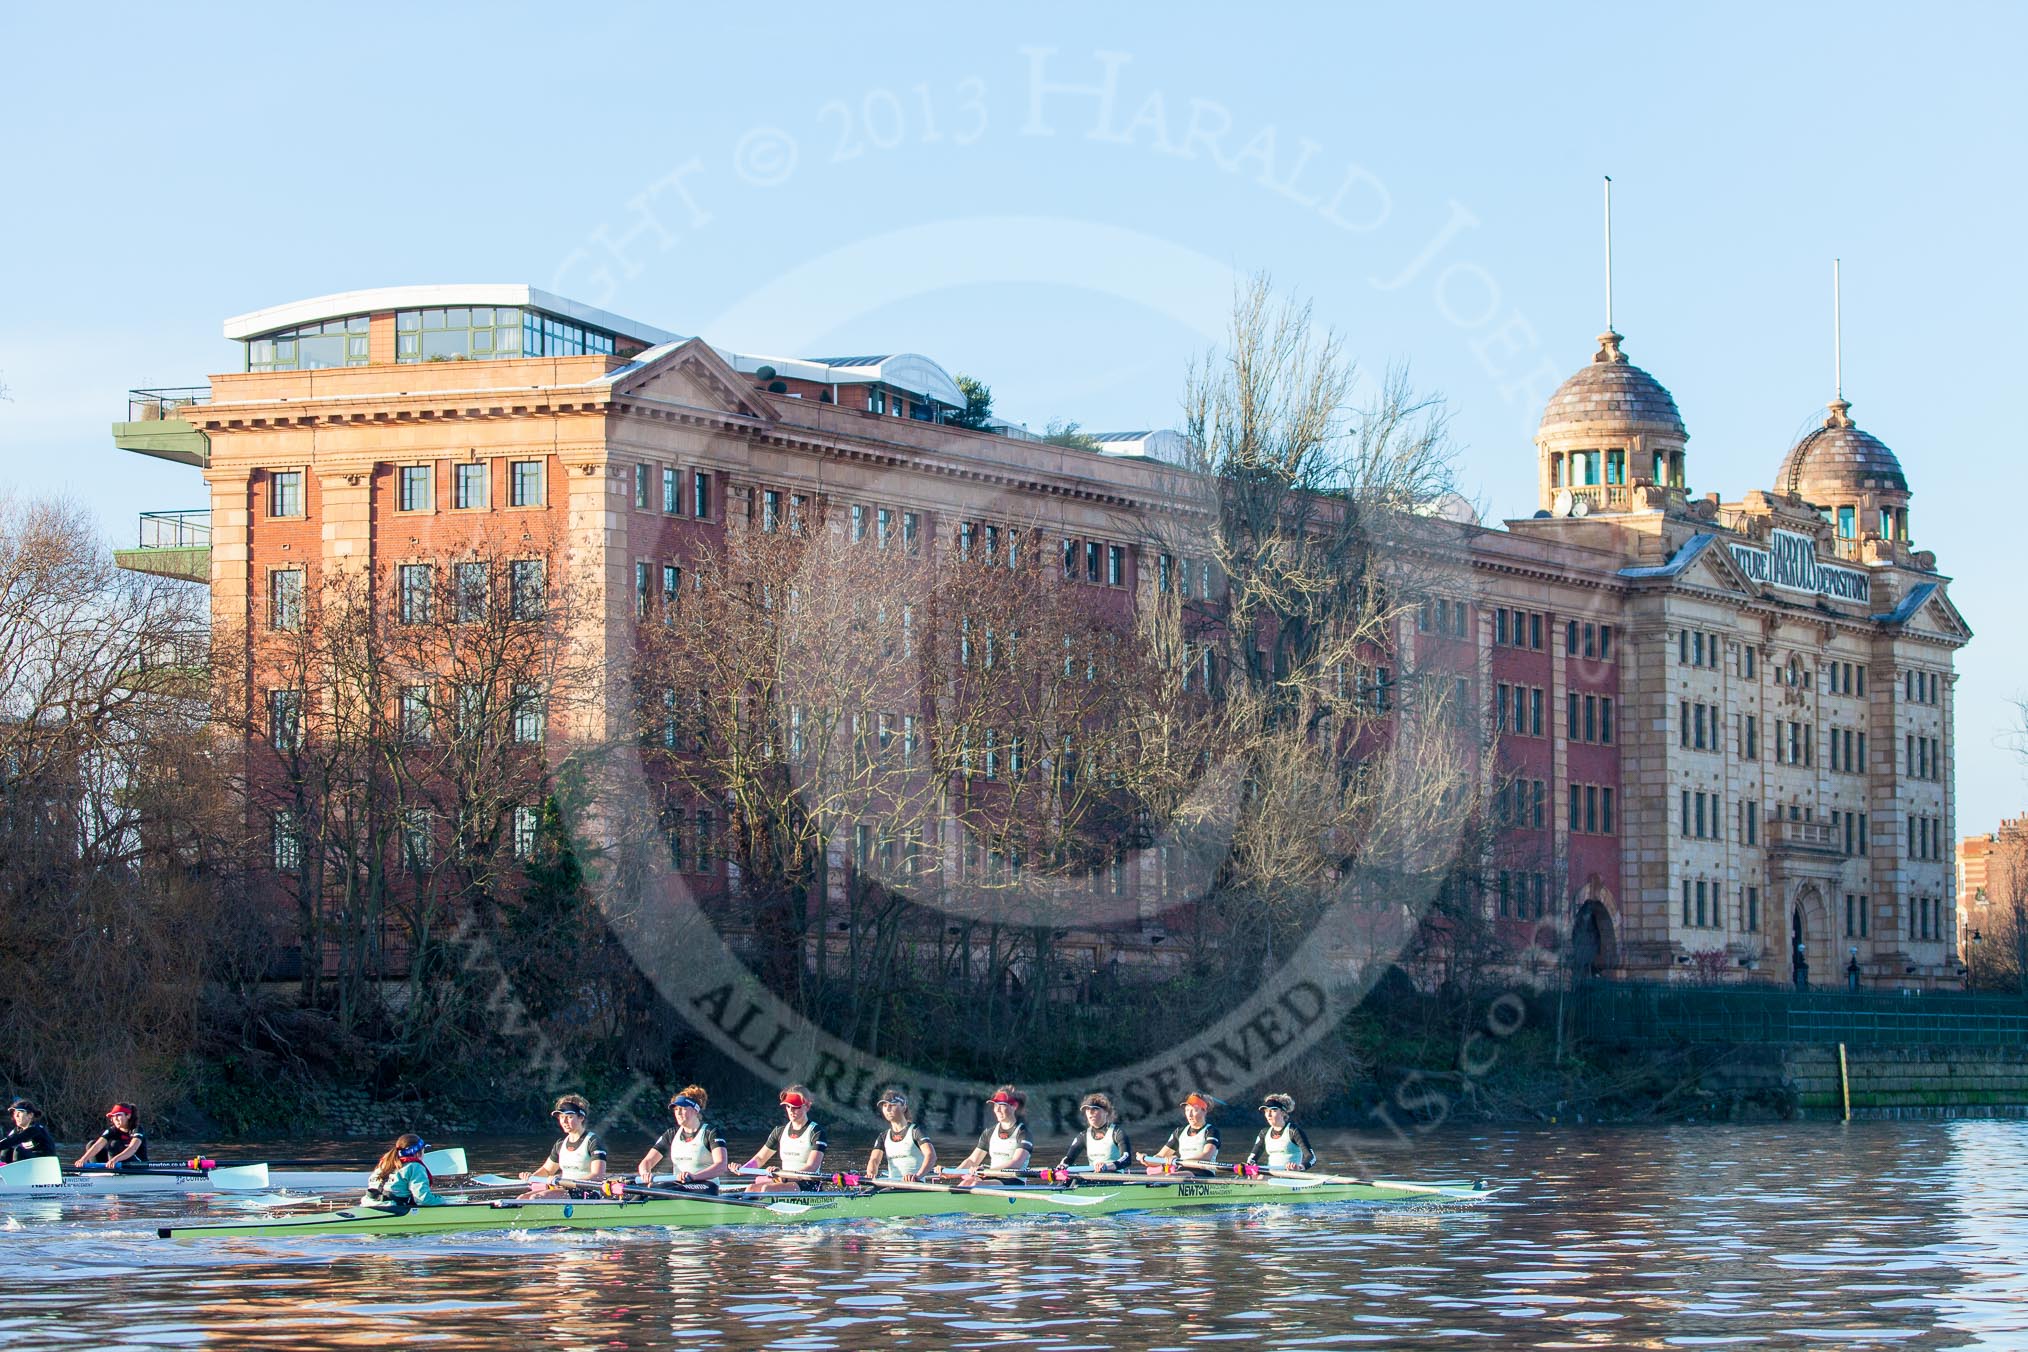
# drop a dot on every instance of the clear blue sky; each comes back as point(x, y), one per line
point(827, 180)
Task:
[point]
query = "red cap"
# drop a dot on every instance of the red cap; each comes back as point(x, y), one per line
point(1003, 1096)
point(127, 1108)
point(1197, 1099)
point(794, 1101)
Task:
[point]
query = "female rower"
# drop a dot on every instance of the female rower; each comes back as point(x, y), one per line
point(901, 1151)
point(693, 1148)
point(579, 1157)
point(1103, 1143)
point(30, 1138)
point(798, 1143)
point(1004, 1147)
point(121, 1141)
point(1195, 1142)
point(402, 1180)
point(1281, 1143)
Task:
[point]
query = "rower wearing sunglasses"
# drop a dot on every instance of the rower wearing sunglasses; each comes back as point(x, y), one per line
point(1003, 1147)
point(580, 1157)
point(798, 1143)
point(1195, 1142)
point(1281, 1143)
point(693, 1149)
point(901, 1151)
point(1103, 1144)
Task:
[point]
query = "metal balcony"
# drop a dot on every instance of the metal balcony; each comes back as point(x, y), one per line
point(172, 544)
point(156, 425)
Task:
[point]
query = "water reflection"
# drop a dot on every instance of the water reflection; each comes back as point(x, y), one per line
point(1876, 1235)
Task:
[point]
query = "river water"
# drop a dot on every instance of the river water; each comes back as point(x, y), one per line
point(1904, 1235)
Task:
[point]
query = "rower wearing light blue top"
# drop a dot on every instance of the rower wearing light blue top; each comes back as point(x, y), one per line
point(402, 1180)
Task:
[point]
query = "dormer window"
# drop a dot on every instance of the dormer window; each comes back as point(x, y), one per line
point(1848, 523)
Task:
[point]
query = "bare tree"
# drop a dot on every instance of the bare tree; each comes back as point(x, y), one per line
point(109, 857)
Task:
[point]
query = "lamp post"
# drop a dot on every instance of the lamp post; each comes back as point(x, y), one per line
point(1852, 970)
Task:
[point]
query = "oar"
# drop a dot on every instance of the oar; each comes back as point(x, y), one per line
point(446, 1163)
point(43, 1171)
point(1441, 1190)
point(897, 1185)
point(784, 1207)
point(1046, 1175)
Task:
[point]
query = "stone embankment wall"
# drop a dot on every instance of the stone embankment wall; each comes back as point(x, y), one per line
point(1910, 1081)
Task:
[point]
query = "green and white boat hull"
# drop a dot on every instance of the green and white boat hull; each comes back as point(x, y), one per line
point(1087, 1198)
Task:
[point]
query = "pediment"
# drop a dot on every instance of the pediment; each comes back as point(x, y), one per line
point(1941, 617)
point(692, 373)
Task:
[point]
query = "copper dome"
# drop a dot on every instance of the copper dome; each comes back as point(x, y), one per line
point(1612, 390)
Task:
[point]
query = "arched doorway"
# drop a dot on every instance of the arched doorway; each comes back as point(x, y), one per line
point(1810, 939)
point(1591, 941)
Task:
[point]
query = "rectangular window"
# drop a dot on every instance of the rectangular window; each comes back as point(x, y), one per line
point(642, 576)
point(700, 495)
point(418, 841)
point(529, 714)
point(1070, 558)
point(413, 718)
point(1116, 566)
point(285, 493)
point(525, 820)
point(1591, 808)
point(1697, 718)
point(1605, 811)
point(1091, 561)
point(1535, 632)
point(883, 526)
point(524, 483)
point(285, 599)
point(672, 491)
point(469, 584)
point(1534, 710)
point(286, 841)
point(468, 710)
point(644, 480)
point(858, 521)
point(1683, 723)
point(771, 510)
point(468, 486)
point(1686, 901)
point(1685, 818)
point(1501, 620)
point(285, 720)
point(413, 592)
point(526, 581)
point(417, 485)
point(1701, 901)
point(1753, 909)
point(911, 531)
point(672, 592)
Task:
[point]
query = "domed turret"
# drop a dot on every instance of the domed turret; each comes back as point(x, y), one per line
point(1851, 476)
point(1608, 426)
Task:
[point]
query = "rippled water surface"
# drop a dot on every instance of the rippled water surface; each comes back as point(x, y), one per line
point(1910, 1235)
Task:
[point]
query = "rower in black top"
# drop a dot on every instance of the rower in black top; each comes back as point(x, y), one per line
point(122, 1142)
point(1103, 1144)
point(30, 1139)
point(1281, 1143)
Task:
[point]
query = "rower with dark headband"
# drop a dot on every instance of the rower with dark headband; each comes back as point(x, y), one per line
point(1281, 1143)
point(1195, 1142)
point(693, 1148)
point(30, 1138)
point(900, 1152)
point(579, 1158)
point(1004, 1147)
point(1103, 1143)
point(798, 1143)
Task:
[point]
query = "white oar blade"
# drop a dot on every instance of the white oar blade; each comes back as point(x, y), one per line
point(44, 1171)
point(446, 1163)
point(239, 1178)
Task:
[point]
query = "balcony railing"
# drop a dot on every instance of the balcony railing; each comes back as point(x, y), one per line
point(1784, 833)
point(176, 530)
point(160, 405)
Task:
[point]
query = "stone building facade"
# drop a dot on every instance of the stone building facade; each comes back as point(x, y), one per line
point(1723, 729)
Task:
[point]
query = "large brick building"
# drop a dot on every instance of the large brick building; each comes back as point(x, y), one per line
point(1723, 728)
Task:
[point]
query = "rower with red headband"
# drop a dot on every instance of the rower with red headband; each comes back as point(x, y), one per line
point(798, 1143)
point(1195, 1142)
point(401, 1180)
point(693, 1149)
point(580, 1157)
point(122, 1140)
point(1003, 1147)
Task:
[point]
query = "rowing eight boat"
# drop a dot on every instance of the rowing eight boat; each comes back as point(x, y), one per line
point(1087, 1198)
